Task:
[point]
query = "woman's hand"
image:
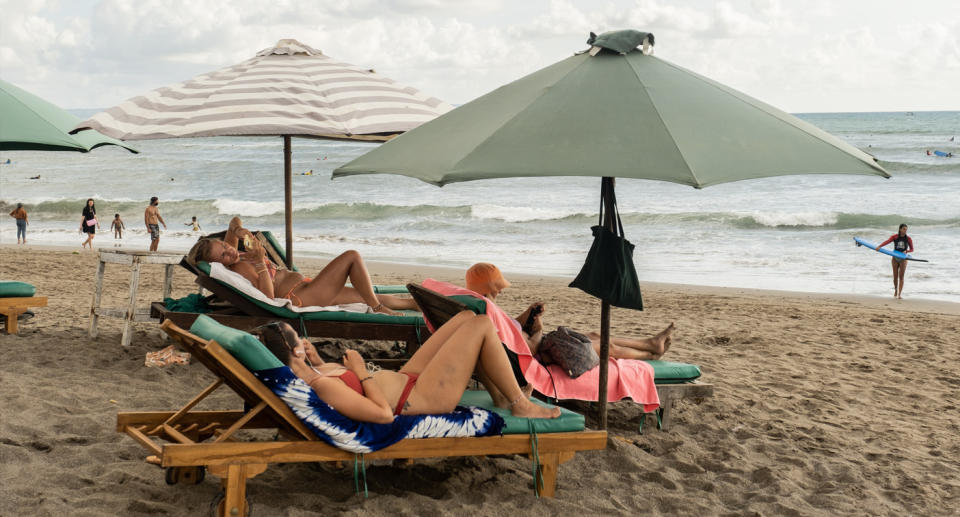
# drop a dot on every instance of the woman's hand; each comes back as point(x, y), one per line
point(311, 352)
point(355, 363)
point(255, 253)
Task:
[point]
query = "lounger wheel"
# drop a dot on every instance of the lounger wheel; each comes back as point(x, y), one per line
point(217, 509)
point(185, 475)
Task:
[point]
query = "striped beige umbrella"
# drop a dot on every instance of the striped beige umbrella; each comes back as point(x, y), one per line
point(288, 90)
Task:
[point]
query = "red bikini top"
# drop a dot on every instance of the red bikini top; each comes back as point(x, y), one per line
point(350, 379)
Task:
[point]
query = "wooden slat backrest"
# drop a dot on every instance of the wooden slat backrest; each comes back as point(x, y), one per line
point(235, 375)
point(437, 308)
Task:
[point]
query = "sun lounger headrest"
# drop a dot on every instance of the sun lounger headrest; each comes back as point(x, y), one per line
point(241, 345)
point(13, 289)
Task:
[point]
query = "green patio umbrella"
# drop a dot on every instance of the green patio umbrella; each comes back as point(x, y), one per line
point(29, 123)
point(614, 111)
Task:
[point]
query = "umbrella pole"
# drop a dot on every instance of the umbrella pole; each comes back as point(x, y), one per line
point(610, 223)
point(288, 197)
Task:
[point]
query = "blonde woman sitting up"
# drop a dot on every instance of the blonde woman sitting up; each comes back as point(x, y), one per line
point(328, 287)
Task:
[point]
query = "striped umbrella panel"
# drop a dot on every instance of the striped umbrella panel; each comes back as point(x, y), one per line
point(273, 94)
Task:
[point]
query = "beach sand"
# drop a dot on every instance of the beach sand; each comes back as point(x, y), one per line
point(824, 405)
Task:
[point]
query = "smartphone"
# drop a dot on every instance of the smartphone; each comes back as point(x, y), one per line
point(534, 312)
point(247, 243)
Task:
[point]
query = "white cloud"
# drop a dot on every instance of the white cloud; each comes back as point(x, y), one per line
point(816, 55)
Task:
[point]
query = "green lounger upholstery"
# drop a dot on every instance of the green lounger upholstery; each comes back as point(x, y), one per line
point(409, 318)
point(666, 372)
point(567, 422)
point(13, 289)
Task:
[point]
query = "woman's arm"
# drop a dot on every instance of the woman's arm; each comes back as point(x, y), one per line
point(888, 241)
point(350, 403)
point(372, 406)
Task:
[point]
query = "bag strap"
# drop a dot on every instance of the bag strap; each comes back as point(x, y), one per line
point(616, 209)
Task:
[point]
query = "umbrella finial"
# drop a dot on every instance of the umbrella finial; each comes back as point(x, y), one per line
point(290, 47)
point(622, 41)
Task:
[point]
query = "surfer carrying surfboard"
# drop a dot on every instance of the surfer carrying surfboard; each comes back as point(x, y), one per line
point(904, 244)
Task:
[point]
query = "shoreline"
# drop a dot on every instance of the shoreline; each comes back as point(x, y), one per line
point(401, 270)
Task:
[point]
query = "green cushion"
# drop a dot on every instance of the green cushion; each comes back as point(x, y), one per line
point(390, 289)
point(408, 318)
point(477, 305)
point(241, 345)
point(567, 422)
point(666, 372)
point(12, 289)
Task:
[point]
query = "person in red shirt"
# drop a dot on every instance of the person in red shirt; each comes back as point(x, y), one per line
point(904, 244)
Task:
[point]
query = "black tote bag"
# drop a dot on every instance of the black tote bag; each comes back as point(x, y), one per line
point(609, 273)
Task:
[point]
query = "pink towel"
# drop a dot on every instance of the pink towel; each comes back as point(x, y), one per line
point(626, 378)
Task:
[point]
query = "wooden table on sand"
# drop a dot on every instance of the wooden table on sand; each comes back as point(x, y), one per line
point(134, 259)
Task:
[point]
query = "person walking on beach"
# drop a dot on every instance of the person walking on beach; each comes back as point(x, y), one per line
point(151, 217)
point(89, 223)
point(21, 216)
point(904, 244)
point(117, 226)
point(194, 224)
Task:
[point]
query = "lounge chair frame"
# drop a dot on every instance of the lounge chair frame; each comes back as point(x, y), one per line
point(243, 314)
point(437, 309)
point(11, 309)
point(206, 440)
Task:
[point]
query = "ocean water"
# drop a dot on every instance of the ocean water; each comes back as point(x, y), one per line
point(792, 233)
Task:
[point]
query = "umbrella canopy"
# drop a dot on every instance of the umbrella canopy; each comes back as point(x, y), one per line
point(288, 90)
point(610, 114)
point(614, 111)
point(29, 123)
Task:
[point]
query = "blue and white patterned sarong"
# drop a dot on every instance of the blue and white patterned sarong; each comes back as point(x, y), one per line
point(363, 437)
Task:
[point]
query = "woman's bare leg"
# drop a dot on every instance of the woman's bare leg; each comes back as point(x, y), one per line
point(351, 295)
point(443, 380)
point(903, 270)
point(643, 348)
point(896, 277)
point(326, 287)
point(428, 350)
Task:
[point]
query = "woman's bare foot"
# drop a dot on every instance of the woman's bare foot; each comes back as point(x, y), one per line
point(383, 309)
point(525, 409)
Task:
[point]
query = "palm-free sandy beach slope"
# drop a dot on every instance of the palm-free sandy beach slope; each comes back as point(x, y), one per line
point(824, 405)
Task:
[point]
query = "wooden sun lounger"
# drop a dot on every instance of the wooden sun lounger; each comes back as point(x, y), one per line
point(206, 440)
point(12, 308)
point(438, 308)
point(237, 311)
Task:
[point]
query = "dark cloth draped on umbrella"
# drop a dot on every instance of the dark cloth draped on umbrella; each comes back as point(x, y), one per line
point(614, 111)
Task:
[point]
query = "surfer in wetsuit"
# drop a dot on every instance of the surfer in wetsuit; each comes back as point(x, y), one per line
point(904, 244)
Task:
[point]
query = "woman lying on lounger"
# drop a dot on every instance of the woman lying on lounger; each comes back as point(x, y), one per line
point(431, 382)
point(486, 279)
point(327, 288)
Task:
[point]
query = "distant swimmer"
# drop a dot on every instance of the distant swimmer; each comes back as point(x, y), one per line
point(35, 177)
point(308, 173)
point(929, 153)
point(8, 162)
point(943, 154)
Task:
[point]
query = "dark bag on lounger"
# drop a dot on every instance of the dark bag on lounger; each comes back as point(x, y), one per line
point(570, 349)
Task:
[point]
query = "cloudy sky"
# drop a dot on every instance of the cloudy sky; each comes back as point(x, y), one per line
point(801, 56)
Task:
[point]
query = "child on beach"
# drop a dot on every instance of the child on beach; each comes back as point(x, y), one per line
point(117, 226)
point(195, 225)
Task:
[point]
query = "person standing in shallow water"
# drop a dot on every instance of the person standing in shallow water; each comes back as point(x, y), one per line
point(152, 219)
point(904, 244)
point(21, 216)
point(89, 223)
